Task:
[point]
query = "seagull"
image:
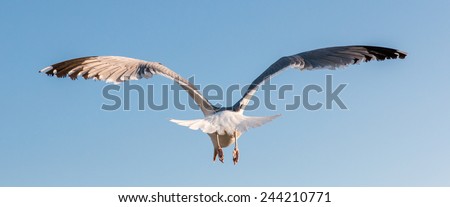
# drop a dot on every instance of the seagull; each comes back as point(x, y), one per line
point(224, 125)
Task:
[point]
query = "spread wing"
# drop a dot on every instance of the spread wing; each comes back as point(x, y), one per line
point(331, 58)
point(115, 69)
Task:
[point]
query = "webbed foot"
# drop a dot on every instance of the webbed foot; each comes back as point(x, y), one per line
point(235, 156)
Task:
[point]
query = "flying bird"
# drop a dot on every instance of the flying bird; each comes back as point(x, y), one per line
point(224, 125)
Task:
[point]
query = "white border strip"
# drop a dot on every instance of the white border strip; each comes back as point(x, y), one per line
point(338, 196)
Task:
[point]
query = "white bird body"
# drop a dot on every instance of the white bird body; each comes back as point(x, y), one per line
point(225, 122)
point(223, 125)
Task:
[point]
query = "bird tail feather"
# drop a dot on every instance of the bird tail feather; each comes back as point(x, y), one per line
point(242, 125)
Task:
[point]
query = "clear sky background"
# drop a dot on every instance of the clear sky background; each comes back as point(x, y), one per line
point(395, 133)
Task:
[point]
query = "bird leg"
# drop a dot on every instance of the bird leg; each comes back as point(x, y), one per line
point(219, 149)
point(236, 150)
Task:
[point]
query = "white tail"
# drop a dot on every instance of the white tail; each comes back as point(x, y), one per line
point(225, 122)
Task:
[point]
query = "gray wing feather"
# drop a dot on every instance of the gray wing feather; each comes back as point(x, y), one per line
point(115, 69)
point(330, 58)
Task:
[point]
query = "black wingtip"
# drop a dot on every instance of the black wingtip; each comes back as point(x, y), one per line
point(382, 53)
point(401, 54)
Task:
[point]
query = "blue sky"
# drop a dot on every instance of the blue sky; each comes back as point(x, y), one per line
point(395, 133)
